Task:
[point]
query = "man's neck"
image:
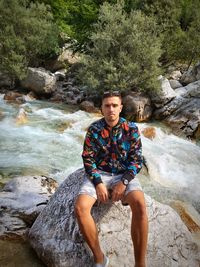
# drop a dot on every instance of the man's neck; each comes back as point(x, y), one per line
point(112, 124)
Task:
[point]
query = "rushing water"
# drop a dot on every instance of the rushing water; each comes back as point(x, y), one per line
point(48, 140)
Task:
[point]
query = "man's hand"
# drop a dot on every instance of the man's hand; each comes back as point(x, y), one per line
point(102, 192)
point(118, 191)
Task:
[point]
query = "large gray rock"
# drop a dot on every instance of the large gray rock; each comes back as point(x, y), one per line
point(165, 95)
point(183, 112)
point(56, 238)
point(39, 81)
point(175, 75)
point(21, 200)
point(175, 84)
point(88, 106)
point(137, 107)
point(189, 91)
point(191, 75)
point(63, 61)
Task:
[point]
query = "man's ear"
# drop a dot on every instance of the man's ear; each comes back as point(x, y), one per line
point(121, 108)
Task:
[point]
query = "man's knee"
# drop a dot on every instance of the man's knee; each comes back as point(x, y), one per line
point(82, 207)
point(137, 204)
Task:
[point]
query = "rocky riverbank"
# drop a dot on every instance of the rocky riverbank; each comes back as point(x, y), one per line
point(177, 103)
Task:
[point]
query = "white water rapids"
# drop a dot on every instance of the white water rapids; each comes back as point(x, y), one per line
point(50, 142)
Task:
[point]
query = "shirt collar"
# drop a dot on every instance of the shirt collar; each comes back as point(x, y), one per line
point(120, 121)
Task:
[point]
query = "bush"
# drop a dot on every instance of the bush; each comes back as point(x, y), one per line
point(185, 41)
point(26, 34)
point(125, 51)
point(179, 22)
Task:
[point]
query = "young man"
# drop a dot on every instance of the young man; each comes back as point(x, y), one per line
point(112, 157)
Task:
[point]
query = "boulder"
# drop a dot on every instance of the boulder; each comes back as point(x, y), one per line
point(137, 107)
point(56, 238)
point(39, 81)
point(182, 114)
point(88, 106)
point(30, 96)
point(63, 61)
point(175, 75)
point(149, 132)
point(175, 84)
point(191, 75)
point(164, 95)
point(13, 96)
point(21, 200)
point(21, 117)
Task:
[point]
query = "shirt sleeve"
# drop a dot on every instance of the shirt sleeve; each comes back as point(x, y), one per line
point(89, 154)
point(135, 158)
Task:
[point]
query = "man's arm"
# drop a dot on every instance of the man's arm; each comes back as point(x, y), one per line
point(134, 165)
point(90, 151)
point(134, 159)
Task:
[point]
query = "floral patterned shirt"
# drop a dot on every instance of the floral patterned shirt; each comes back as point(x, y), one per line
point(115, 150)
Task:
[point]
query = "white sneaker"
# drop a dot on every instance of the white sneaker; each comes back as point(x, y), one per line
point(104, 264)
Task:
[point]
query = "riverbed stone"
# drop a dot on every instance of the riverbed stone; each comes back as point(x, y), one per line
point(164, 95)
point(191, 75)
point(21, 200)
point(56, 238)
point(137, 107)
point(39, 81)
point(175, 75)
point(13, 97)
point(175, 84)
point(88, 106)
point(182, 114)
point(21, 117)
point(149, 132)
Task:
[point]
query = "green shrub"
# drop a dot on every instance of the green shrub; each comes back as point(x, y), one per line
point(26, 35)
point(125, 51)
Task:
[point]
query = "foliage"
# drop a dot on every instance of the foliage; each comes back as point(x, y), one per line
point(125, 51)
point(74, 17)
point(179, 25)
point(187, 38)
point(26, 34)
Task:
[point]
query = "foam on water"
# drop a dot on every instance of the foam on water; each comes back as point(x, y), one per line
point(51, 140)
point(41, 144)
point(173, 162)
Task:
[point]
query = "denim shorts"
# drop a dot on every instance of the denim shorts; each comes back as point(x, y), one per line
point(87, 187)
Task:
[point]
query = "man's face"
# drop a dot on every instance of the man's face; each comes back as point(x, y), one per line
point(111, 108)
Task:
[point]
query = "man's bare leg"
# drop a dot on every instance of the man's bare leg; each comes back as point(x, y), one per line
point(87, 225)
point(139, 226)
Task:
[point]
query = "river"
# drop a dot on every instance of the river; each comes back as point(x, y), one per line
point(48, 139)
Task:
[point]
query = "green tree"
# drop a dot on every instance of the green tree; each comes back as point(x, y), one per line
point(74, 17)
point(125, 51)
point(187, 39)
point(179, 28)
point(26, 35)
point(186, 44)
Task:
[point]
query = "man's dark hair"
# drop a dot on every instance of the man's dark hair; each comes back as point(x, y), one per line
point(111, 93)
